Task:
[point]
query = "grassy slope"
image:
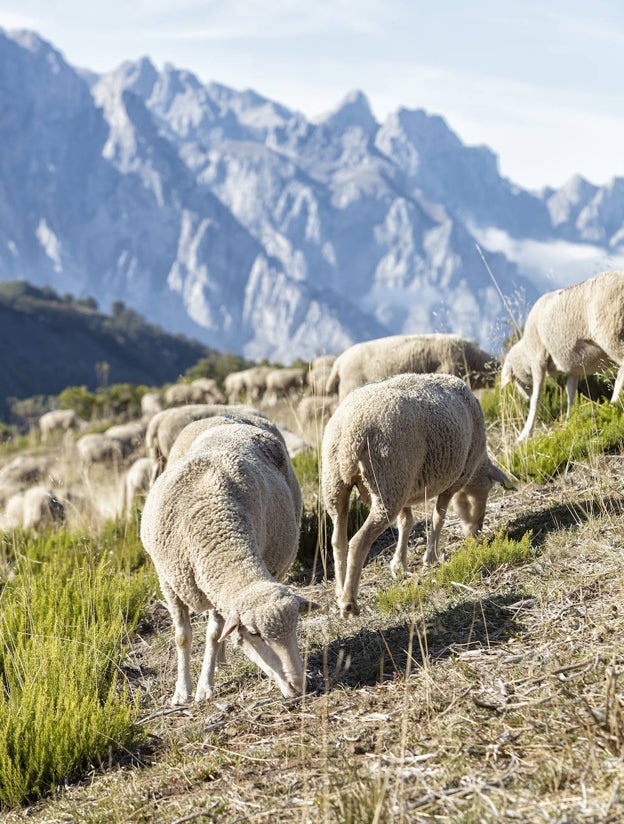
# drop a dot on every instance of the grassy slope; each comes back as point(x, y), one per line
point(494, 701)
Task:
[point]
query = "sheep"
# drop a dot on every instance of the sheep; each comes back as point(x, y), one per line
point(136, 483)
point(22, 471)
point(578, 330)
point(202, 390)
point(129, 436)
point(36, 508)
point(248, 382)
point(221, 524)
point(58, 421)
point(380, 358)
point(284, 382)
point(319, 372)
point(193, 430)
point(151, 404)
point(312, 414)
point(97, 447)
point(165, 427)
point(400, 441)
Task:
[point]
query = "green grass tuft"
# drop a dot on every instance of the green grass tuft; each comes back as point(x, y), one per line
point(592, 429)
point(476, 560)
point(66, 610)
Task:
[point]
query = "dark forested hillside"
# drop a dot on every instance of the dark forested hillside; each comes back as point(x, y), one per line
point(48, 342)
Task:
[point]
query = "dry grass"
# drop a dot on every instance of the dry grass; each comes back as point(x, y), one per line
point(501, 702)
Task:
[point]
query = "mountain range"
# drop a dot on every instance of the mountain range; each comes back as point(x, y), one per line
point(229, 218)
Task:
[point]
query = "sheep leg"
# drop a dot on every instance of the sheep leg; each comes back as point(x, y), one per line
point(538, 384)
point(398, 564)
point(437, 521)
point(339, 539)
point(571, 387)
point(183, 637)
point(619, 384)
point(359, 547)
point(213, 656)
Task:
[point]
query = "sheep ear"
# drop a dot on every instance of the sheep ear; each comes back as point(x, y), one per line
point(496, 474)
point(307, 606)
point(232, 623)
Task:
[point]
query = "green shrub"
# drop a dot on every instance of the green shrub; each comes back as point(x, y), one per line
point(66, 610)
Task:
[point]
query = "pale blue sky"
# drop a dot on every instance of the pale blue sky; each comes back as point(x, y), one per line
point(540, 83)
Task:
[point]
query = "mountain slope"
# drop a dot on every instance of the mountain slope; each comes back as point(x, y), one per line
point(48, 343)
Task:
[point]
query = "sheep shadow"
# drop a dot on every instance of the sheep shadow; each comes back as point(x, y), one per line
point(371, 656)
point(562, 516)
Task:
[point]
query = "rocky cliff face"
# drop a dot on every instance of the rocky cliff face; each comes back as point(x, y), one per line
point(232, 219)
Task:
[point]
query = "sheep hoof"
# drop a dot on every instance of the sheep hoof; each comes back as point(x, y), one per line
point(349, 609)
point(398, 570)
point(179, 699)
point(203, 694)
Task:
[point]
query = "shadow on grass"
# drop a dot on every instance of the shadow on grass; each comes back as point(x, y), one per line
point(371, 656)
point(562, 516)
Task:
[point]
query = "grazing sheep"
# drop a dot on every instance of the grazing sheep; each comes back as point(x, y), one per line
point(319, 372)
point(202, 390)
point(137, 483)
point(221, 524)
point(377, 359)
point(58, 421)
point(36, 508)
point(130, 436)
point(285, 382)
point(401, 441)
point(151, 404)
point(98, 448)
point(193, 430)
point(23, 470)
point(578, 331)
point(312, 414)
point(165, 427)
point(249, 383)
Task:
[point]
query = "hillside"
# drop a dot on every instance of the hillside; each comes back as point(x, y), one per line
point(48, 342)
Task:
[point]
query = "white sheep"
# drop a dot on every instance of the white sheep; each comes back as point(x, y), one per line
point(401, 441)
point(165, 427)
point(221, 524)
point(36, 508)
point(247, 382)
point(130, 436)
point(284, 383)
point(380, 358)
point(151, 404)
point(96, 447)
point(58, 421)
point(578, 331)
point(319, 372)
point(137, 483)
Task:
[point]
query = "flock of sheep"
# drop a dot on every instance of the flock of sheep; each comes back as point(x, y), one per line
point(222, 507)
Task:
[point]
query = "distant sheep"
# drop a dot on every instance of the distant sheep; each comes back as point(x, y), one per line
point(202, 390)
point(221, 524)
point(577, 331)
point(165, 427)
point(248, 383)
point(137, 483)
point(130, 436)
point(36, 508)
point(284, 383)
point(57, 422)
point(401, 441)
point(94, 448)
point(376, 359)
point(319, 372)
point(24, 470)
point(151, 404)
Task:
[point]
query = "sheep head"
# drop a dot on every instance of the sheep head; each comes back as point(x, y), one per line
point(266, 627)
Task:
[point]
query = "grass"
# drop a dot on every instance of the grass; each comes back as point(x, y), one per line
point(591, 429)
point(68, 610)
point(474, 561)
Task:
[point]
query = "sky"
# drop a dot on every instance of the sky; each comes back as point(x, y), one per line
point(539, 83)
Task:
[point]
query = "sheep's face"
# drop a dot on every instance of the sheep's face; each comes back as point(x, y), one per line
point(516, 369)
point(267, 635)
point(470, 502)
